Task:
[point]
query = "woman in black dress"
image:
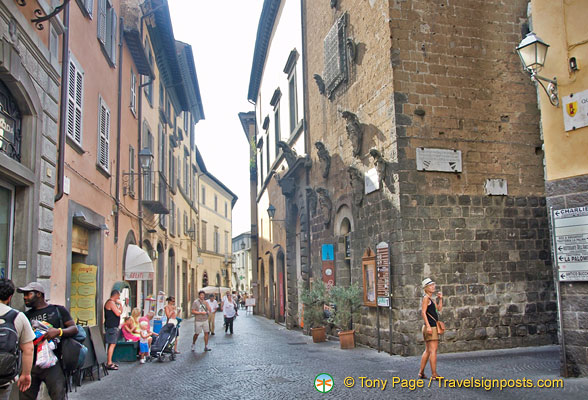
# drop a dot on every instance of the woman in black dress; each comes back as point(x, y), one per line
point(429, 313)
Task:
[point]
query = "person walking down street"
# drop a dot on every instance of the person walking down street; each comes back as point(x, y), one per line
point(229, 308)
point(213, 304)
point(13, 320)
point(112, 311)
point(171, 312)
point(200, 310)
point(62, 326)
point(429, 313)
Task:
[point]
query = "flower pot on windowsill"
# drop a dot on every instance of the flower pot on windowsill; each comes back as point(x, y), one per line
point(318, 334)
point(347, 339)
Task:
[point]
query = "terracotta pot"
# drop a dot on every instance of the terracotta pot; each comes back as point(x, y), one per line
point(318, 334)
point(347, 339)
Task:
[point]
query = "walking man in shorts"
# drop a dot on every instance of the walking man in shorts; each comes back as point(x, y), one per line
point(200, 310)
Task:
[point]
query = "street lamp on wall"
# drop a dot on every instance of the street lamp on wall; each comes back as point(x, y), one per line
point(271, 211)
point(533, 52)
point(145, 159)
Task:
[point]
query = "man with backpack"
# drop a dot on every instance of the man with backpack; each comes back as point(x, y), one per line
point(63, 326)
point(12, 344)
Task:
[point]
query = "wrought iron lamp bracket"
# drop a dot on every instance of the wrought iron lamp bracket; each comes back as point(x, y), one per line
point(40, 14)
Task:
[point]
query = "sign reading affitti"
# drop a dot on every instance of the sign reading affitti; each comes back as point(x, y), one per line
point(571, 243)
point(383, 274)
point(444, 160)
point(575, 110)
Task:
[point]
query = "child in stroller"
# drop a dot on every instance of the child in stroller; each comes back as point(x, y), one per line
point(163, 346)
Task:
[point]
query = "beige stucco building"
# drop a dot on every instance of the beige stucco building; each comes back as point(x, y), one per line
point(562, 25)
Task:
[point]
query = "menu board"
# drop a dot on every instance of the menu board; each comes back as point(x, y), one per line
point(83, 293)
point(383, 274)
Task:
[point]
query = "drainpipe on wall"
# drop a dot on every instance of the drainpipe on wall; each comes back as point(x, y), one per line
point(63, 103)
point(118, 128)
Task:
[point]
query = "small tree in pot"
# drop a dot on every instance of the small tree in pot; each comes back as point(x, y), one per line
point(314, 300)
point(347, 301)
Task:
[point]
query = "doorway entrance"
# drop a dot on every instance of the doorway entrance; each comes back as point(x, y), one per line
point(6, 226)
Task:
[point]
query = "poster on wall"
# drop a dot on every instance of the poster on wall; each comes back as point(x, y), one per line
point(83, 293)
point(383, 274)
point(368, 263)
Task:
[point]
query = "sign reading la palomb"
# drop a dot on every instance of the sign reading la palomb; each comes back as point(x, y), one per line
point(575, 110)
point(443, 160)
point(571, 243)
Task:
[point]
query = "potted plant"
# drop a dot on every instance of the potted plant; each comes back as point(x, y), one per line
point(347, 301)
point(314, 300)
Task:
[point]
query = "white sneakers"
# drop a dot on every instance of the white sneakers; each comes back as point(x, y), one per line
point(193, 346)
point(142, 361)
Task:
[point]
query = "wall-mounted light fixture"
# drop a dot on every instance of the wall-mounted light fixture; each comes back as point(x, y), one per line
point(533, 51)
point(145, 161)
point(271, 211)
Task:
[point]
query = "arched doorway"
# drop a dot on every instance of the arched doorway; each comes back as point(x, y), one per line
point(148, 284)
point(171, 273)
point(344, 229)
point(262, 288)
point(160, 267)
point(271, 289)
point(132, 284)
point(281, 286)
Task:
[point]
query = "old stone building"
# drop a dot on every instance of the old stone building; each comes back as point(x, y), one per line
point(431, 134)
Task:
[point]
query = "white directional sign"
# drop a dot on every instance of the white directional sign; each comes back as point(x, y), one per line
point(571, 243)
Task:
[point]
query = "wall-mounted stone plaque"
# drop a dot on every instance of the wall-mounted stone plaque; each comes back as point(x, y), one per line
point(496, 187)
point(335, 55)
point(372, 183)
point(443, 160)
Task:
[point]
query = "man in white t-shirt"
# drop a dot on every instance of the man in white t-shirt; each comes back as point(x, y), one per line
point(25, 338)
point(213, 307)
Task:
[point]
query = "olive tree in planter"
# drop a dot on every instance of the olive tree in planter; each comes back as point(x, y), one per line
point(347, 302)
point(314, 300)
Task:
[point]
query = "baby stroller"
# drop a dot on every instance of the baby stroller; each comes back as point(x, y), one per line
point(163, 346)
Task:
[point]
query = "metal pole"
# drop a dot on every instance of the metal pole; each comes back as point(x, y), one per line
point(378, 324)
point(562, 341)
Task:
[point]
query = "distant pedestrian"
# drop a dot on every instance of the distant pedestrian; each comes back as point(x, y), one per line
point(229, 308)
point(112, 311)
point(200, 310)
point(171, 313)
point(13, 320)
point(62, 326)
point(213, 307)
point(429, 313)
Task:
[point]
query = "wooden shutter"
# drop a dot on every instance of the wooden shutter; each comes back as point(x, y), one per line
point(75, 92)
point(112, 50)
point(133, 91)
point(104, 135)
point(89, 4)
point(102, 21)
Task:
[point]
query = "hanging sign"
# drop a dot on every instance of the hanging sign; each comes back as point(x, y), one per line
point(575, 110)
point(383, 274)
point(571, 243)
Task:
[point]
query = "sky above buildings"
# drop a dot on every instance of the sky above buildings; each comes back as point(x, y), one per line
point(222, 36)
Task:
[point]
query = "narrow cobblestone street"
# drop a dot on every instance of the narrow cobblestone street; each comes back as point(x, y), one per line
point(263, 360)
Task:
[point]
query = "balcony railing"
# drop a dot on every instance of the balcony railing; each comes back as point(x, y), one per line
point(155, 192)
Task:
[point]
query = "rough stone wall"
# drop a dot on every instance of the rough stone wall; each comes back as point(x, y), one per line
point(31, 74)
point(489, 255)
point(568, 193)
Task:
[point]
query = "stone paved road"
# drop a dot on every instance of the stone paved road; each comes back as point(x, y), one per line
point(263, 360)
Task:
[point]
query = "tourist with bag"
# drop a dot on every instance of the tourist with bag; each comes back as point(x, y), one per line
point(432, 327)
point(60, 326)
point(16, 344)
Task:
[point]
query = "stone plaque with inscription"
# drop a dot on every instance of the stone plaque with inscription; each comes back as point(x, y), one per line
point(443, 160)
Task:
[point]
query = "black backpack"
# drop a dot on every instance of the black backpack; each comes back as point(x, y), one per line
point(10, 354)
